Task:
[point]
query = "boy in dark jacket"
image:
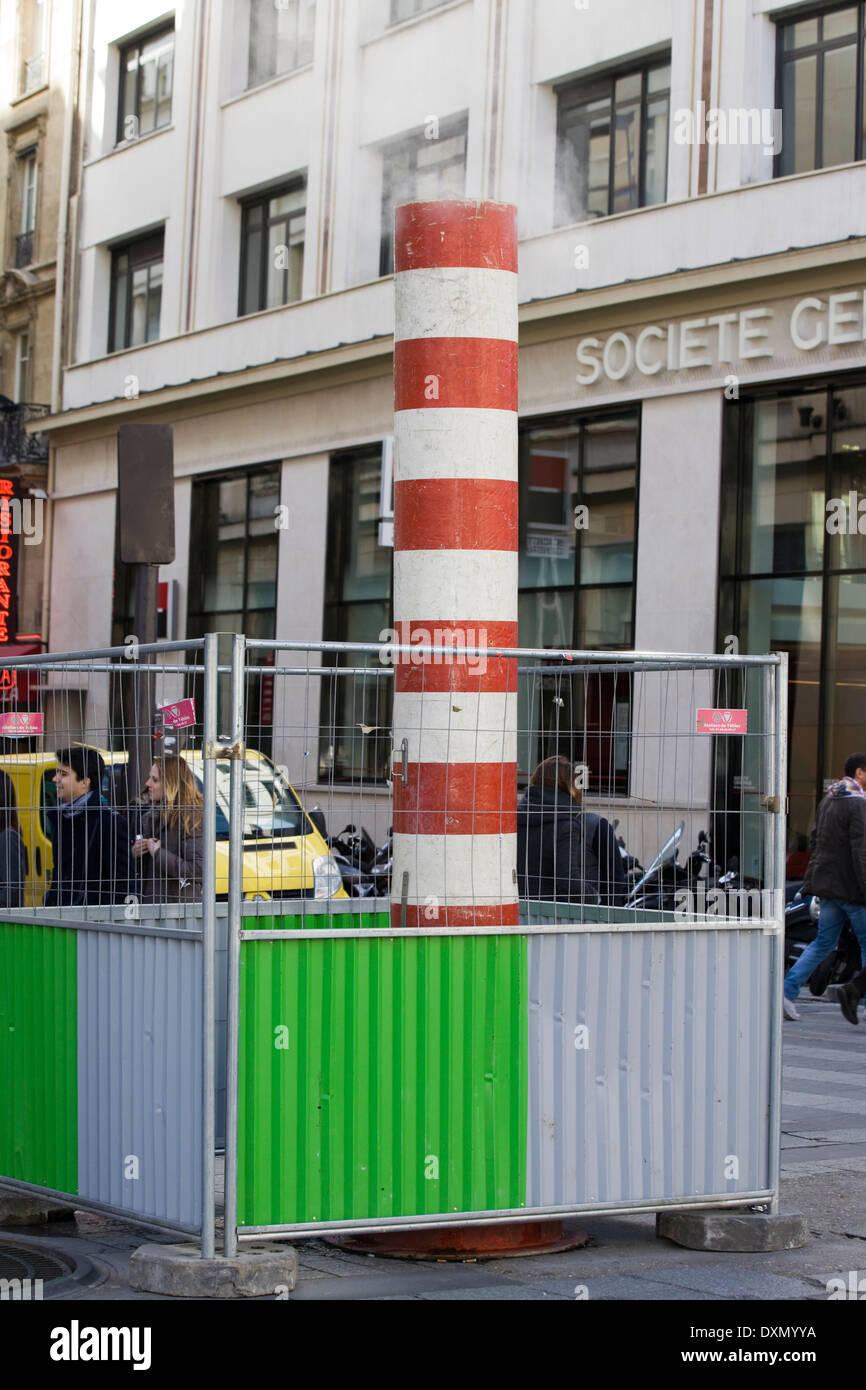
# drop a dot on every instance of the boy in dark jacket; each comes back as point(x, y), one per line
point(836, 873)
point(92, 862)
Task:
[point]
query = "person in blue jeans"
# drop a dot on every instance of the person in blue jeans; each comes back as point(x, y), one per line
point(836, 874)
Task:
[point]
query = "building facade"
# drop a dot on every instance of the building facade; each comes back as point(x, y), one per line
point(691, 198)
point(39, 69)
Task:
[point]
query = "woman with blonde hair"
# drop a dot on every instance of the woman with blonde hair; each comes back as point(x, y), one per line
point(564, 854)
point(168, 852)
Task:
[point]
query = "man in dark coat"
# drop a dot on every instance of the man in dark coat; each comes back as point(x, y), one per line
point(92, 862)
point(564, 854)
point(836, 874)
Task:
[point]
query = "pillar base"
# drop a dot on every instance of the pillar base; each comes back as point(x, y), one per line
point(491, 1242)
point(180, 1271)
point(745, 1232)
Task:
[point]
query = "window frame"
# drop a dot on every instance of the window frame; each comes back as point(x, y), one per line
point(26, 160)
point(579, 92)
point(424, 9)
point(251, 83)
point(298, 183)
point(196, 591)
point(26, 88)
point(123, 50)
point(733, 577)
point(22, 364)
point(143, 258)
point(819, 49)
point(578, 420)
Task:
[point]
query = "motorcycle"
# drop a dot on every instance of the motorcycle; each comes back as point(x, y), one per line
point(365, 868)
point(660, 887)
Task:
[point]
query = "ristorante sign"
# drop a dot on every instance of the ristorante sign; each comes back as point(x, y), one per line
point(10, 539)
point(790, 333)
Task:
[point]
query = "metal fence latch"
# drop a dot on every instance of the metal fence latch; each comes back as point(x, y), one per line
point(404, 761)
point(225, 750)
point(774, 804)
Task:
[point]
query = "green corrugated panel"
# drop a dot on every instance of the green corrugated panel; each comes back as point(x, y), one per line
point(403, 1088)
point(39, 1055)
point(323, 921)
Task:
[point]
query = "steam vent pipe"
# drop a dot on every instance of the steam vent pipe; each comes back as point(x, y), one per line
point(455, 564)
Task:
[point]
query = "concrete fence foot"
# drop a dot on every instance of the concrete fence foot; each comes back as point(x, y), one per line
point(180, 1271)
point(743, 1231)
point(20, 1209)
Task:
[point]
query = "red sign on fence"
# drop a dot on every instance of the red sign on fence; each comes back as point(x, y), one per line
point(722, 721)
point(21, 724)
point(180, 715)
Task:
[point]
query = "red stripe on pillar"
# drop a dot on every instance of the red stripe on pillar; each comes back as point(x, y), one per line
point(455, 514)
point(455, 671)
point(456, 232)
point(454, 373)
point(484, 915)
point(444, 799)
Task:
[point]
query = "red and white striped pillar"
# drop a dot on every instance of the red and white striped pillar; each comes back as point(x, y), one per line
point(455, 564)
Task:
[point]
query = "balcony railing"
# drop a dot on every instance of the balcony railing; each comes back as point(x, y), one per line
point(23, 250)
point(16, 445)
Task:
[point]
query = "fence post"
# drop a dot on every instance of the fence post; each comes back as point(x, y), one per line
point(208, 926)
point(236, 811)
point(778, 747)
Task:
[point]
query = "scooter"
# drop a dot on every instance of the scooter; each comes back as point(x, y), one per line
point(658, 888)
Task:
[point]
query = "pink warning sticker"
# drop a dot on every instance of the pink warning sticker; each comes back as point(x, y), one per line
point(722, 721)
point(21, 724)
point(179, 715)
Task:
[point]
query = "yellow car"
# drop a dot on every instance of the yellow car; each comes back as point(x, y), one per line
point(285, 855)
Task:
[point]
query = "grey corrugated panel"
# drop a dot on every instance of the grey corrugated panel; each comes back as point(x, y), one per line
point(139, 1073)
point(675, 1080)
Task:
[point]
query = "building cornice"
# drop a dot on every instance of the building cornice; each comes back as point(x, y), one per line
point(810, 269)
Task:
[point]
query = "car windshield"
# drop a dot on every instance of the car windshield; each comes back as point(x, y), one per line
point(271, 809)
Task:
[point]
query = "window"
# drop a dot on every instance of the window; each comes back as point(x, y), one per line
point(357, 609)
point(612, 144)
point(820, 89)
point(281, 37)
point(33, 45)
point(408, 9)
point(22, 365)
point(26, 170)
point(421, 167)
point(233, 556)
point(272, 249)
point(793, 574)
point(136, 293)
point(233, 553)
point(576, 566)
point(146, 79)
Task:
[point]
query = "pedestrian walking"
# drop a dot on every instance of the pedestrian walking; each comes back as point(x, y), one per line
point(13, 854)
point(836, 873)
point(169, 852)
point(90, 842)
point(564, 853)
